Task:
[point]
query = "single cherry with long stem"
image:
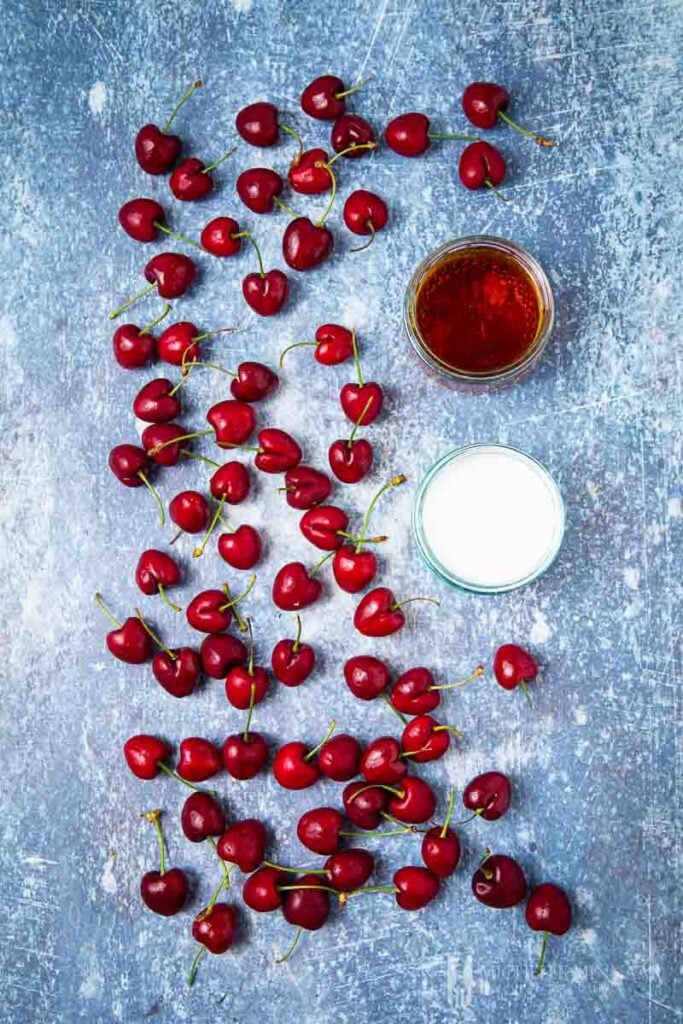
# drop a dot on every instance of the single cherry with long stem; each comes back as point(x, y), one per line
point(351, 459)
point(325, 97)
point(192, 179)
point(353, 567)
point(265, 293)
point(163, 891)
point(409, 135)
point(156, 150)
point(142, 219)
point(246, 686)
point(130, 465)
point(170, 274)
point(441, 846)
point(146, 756)
point(361, 400)
point(485, 104)
point(481, 165)
point(416, 693)
point(549, 911)
point(294, 765)
point(156, 572)
point(296, 587)
point(365, 213)
point(380, 614)
point(129, 641)
point(259, 125)
point(333, 344)
point(292, 661)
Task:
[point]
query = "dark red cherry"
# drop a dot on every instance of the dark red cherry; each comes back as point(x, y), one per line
point(201, 817)
point(164, 894)
point(353, 570)
point(366, 677)
point(416, 887)
point(144, 754)
point(199, 759)
point(305, 244)
point(230, 482)
point(266, 293)
point(246, 686)
point(277, 452)
point(350, 869)
point(499, 882)
point(258, 188)
point(243, 844)
point(261, 891)
point(219, 652)
point(364, 808)
point(209, 611)
point(482, 102)
point(306, 487)
point(408, 134)
point(292, 661)
point(232, 421)
point(414, 692)
point(351, 130)
point(244, 756)
point(324, 525)
point(190, 511)
point(221, 237)
point(488, 794)
point(306, 908)
point(324, 98)
point(241, 549)
point(177, 670)
point(425, 739)
point(254, 382)
point(216, 928)
point(309, 174)
point(155, 402)
point(365, 213)
point(292, 770)
point(257, 123)
point(382, 761)
point(172, 273)
point(441, 853)
point(350, 461)
point(139, 219)
point(339, 757)
point(133, 347)
point(481, 166)
point(319, 830)
point(178, 343)
point(414, 802)
point(512, 666)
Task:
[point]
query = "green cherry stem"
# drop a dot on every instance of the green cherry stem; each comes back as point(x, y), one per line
point(200, 458)
point(175, 234)
point(297, 344)
point(374, 888)
point(448, 728)
point(177, 440)
point(131, 300)
point(358, 422)
point(217, 163)
point(318, 565)
point(166, 599)
point(250, 238)
point(102, 606)
point(328, 209)
point(183, 99)
point(285, 208)
point(448, 135)
point(541, 959)
point(311, 753)
point(295, 943)
point(398, 714)
point(250, 712)
point(295, 135)
point(195, 963)
point(354, 88)
point(241, 624)
point(409, 600)
point(199, 550)
point(297, 638)
point(232, 601)
point(377, 785)
point(157, 320)
point(449, 814)
point(295, 871)
point(356, 357)
point(155, 818)
point(371, 239)
point(525, 690)
point(395, 481)
point(150, 632)
point(316, 888)
point(477, 674)
point(351, 149)
point(489, 184)
point(174, 775)
point(539, 139)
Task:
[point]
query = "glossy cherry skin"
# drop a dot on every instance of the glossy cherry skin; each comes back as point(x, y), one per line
point(218, 653)
point(416, 887)
point(154, 568)
point(365, 213)
point(244, 844)
point(137, 218)
point(239, 685)
point(424, 740)
point(257, 123)
point(221, 238)
point(172, 273)
point(323, 526)
point(241, 549)
point(179, 674)
point(350, 462)
point(278, 452)
point(334, 344)
point(481, 164)
point(163, 433)
point(319, 829)
point(338, 759)
point(366, 677)
point(548, 909)
point(408, 134)
point(353, 570)
point(351, 130)
point(382, 762)
point(230, 482)
point(481, 102)
point(261, 891)
point(143, 754)
point(177, 345)
point(199, 759)
point(216, 928)
point(488, 793)
point(127, 461)
point(201, 817)
point(378, 614)
point(266, 294)
point(364, 810)
point(130, 642)
point(206, 612)
point(349, 869)
point(362, 403)
point(294, 588)
point(321, 99)
point(244, 757)
point(292, 770)
point(305, 244)
point(292, 662)
point(190, 511)
point(258, 188)
point(306, 908)
point(164, 894)
point(189, 181)
point(440, 853)
point(499, 882)
point(309, 173)
point(254, 382)
point(132, 349)
point(232, 421)
point(417, 802)
point(156, 151)
point(154, 402)
point(306, 487)
point(513, 665)
point(412, 693)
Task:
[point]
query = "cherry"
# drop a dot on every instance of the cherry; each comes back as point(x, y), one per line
point(145, 755)
point(382, 761)
point(219, 652)
point(441, 851)
point(266, 293)
point(379, 614)
point(309, 174)
point(425, 740)
point(199, 759)
point(549, 911)
point(177, 670)
point(201, 817)
point(349, 869)
point(415, 692)
point(413, 802)
point(211, 611)
point(409, 135)
point(134, 346)
point(190, 511)
point(415, 887)
point(259, 188)
point(241, 549)
point(164, 892)
point(143, 219)
point(179, 343)
point(222, 237)
point(481, 166)
point(365, 213)
point(192, 180)
point(261, 891)
point(333, 345)
point(155, 150)
point(246, 687)
point(365, 805)
point(513, 666)
point(130, 465)
point(130, 641)
point(499, 882)
point(325, 97)
point(324, 526)
point(292, 661)
point(254, 382)
point(244, 756)
point(485, 102)
point(233, 422)
point(354, 568)
point(350, 460)
point(306, 487)
point(170, 273)
point(230, 483)
point(352, 135)
point(294, 766)
point(158, 440)
point(277, 451)
point(156, 571)
point(156, 401)
point(305, 244)
point(366, 677)
point(259, 126)
point(319, 829)
point(306, 908)
point(295, 586)
point(488, 795)
point(339, 758)
point(361, 402)
point(215, 928)
point(243, 844)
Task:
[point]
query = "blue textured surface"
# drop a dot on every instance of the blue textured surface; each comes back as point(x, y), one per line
point(594, 766)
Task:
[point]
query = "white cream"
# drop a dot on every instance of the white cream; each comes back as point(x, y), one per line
point(491, 517)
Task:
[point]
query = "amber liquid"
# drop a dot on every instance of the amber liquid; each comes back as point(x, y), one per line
point(478, 311)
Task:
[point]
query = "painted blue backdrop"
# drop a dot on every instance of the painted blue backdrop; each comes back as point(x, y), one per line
point(594, 766)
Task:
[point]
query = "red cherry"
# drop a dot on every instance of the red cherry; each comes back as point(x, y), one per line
point(350, 869)
point(215, 928)
point(233, 422)
point(307, 908)
point(266, 293)
point(334, 344)
point(210, 611)
point(364, 808)
point(199, 759)
point(294, 765)
point(156, 570)
point(513, 666)
point(258, 125)
point(414, 693)
point(190, 511)
point(190, 180)
point(130, 641)
point(258, 188)
point(353, 570)
point(155, 149)
point(201, 817)
point(425, 739)
point(177, 670)
point(362, 403)
point(408, 134)
point(350, 131)
point(171, 273)
point(243, 844)
point(231, 483)
point(127, 462)
point(481, 166)
point(246, 687)
point(155, 402)
point(292, 661)
point(219, 652)
point(158, 434)
point(324, 98)
point(339, 757)
point(382, 761)
point(309, 173)
point(366, 677)
point(306, 487)
point(144, 755)
point(261, 891)
point(164, 893)
point(305, 244)
point(365, 213)
point(221, 237)
point(488, 795)
point(350, 461)
point(414, 802)
point(277, 452)
point(244, 756)
point(294, 588)
point(323, 526)
point(177, 345)
point(140, 218)
point(482, 102)
point(549, 911)
point(441, 851)
point(499, 882)
point(133, 347)
point(378, 613)
point(319, 829)
point(242, 548)
point(254, 382)
point(416, 887)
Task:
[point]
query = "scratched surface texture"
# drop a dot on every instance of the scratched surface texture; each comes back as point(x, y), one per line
point(595, 766)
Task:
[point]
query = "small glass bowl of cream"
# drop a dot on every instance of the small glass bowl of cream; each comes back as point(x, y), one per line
point(488, 518)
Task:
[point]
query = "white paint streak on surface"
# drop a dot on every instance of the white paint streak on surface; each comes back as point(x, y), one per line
point(97, 97)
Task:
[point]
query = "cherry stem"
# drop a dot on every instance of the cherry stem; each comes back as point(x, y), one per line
point(297, 639)
point(351, 149)
point(371, 239)
point(248, 235)
point(177, 440)
point(241, 624)
point(294, 134)
point(199, 550)
point(489, 184)
point(479, 811)
point(320, 564)
point(333, 193)
point(395, 481)
point(295, 871)
point(155, 818)
point(366, 540)
point(409, 600)
point(166, 599)
point(193, 968)
point(449, 814)
point(181, 383)
point(210, 366)
point(100, 604)
point(356, 358)
point(377, 785)
point(316, 888)
point(162, 316)
point(286, 209)
point(154, 637)
point(366, 835)
point(217, 892)
point(134, 298)
point(395, 821)
point(354, 88)
point(525, 690)
point(478, 672)
point(175, 234)
point(250, 712)
point(525, 131)
point(541, 959)
point(448, 728)
point(224, 866)
point(183, 99)
point(297, 936)
point(395, 710)
point(200, 458)
point(226, 525)
point(488, 875)
point(358, 422)
point(374, 888)
point(447, 135)
point(311, 753)
point(236, 600)
point(217, 163)
point(297, 344)
point(221, 330)
point(174, 775)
